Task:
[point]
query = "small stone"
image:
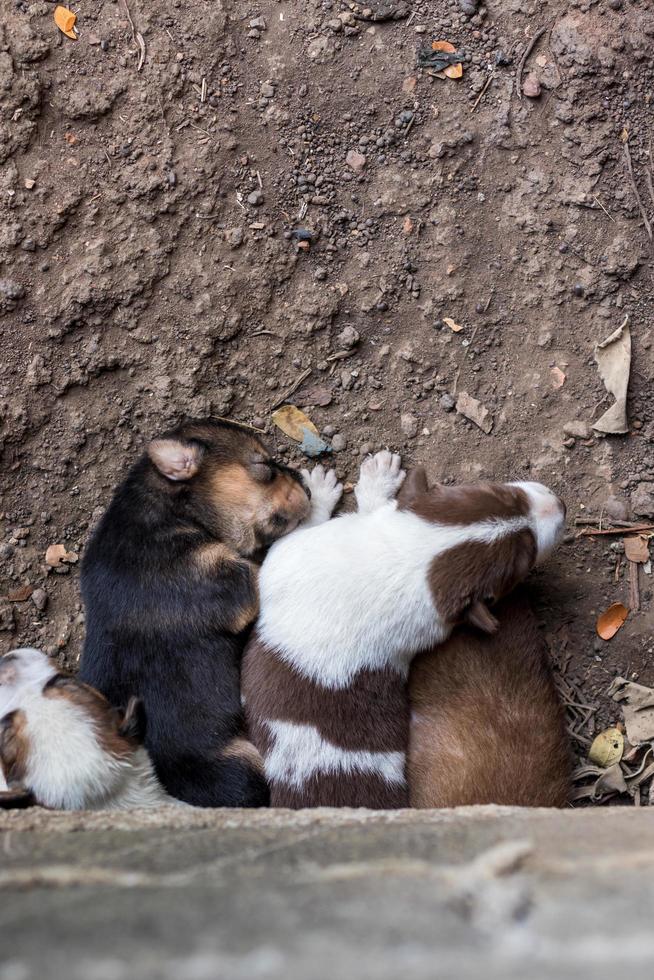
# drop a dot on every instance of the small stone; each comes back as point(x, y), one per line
point(615, 4)
point(346, 380)
point(409, 425)
point(578, 289)
point(335, 25)
point(348, 338)
point(234, 237)
point(329, 430)
point(10, 293)
point(258, 24)
point(447, 402)
point(339, 443)
point(40, 599)
point(409, 85)
point(267, 90)
point(256, 198)
point(29, 183)
point(320, 273)
point(544, 338)
point(569, 443)
point(531, 87)
point(355, 161)
point(468, 7)
point(616, 509)
point(578, 430)
point(366, 449)
point(642, 500)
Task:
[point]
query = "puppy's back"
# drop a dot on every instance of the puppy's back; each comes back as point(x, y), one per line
point(487, 725)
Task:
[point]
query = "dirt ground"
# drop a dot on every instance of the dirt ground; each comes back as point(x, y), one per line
point(191, 237)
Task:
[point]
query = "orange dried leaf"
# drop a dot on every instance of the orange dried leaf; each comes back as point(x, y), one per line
point(451, 324)
point(558, 377)
point(22, 594)
point(442, 46)
point(454, 71)
point(407, 226)
point(636, 549)
point(610, 621)
point(65, 21)
point(56, 553)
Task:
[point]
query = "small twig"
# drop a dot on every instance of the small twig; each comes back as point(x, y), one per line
point(590, 521)
point(340, 355)
point(483, 91)
point(618, 566)
point(530, 47)
point(264, 333)
point(634, 587)
point(610, 216)
point(203, 92)
point(490, 299)
point(294, 387)
point(632, 179)
point(589, 533)
point(137, 37)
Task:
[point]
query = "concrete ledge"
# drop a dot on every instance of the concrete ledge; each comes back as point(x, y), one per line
point(193, 894)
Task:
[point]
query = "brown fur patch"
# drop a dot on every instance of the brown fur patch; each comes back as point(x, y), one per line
point(487, 725)
point(361, 790)
point(217, 560)
point(477, 571)
point(14, 747)
point(370, 714)
point(464, 504)
point(106, 719)
point(242, 749)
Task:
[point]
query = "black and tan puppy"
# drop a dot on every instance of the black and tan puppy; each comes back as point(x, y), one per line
point(170, 588)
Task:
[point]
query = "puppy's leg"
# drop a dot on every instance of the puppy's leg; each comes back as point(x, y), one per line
point(380, 478)
point(326, 492)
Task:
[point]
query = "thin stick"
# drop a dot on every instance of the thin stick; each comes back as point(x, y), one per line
point(483, 91)
point(294, 387)
point(610, 216)
point(632, 179)
point(590, 533)
point(530, 47)
point(634, 588)
point(590, 521)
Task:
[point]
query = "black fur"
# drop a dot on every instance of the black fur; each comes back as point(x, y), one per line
point(160, 627)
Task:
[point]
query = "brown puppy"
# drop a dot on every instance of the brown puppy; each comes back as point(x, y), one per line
point(487, 725)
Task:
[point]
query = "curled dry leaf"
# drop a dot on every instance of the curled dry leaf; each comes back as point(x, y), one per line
point(637, 709)
point(636, 548)
point(610, 621)
point(65, 21)
point(22, 594)
point(451, 324)
point(607, 748)
point(452, 71)
point(295, 424)
point(56, 553)
point(613, 357)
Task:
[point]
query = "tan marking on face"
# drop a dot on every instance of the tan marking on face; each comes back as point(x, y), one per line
point(14, 747)
point(243, 750)
point(105, 719)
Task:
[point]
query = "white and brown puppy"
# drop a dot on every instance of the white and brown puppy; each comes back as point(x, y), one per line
point(63, 746)
point(345, 606)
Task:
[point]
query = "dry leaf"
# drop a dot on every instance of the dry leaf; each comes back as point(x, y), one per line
point(65, 21)
point(636, 549)
point(409, 84)
point(56, 553)
point(295, 424)
point(475, 411)
point(451, 324)
point(452, 71)
point(607, 748)
point(22, 594)
point(610, 621)
point(558, 377)
point(637, 703)
point(613, 357)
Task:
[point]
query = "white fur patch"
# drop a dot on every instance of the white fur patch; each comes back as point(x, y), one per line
point(547, 517)
point(353, 594)
point(300, 752)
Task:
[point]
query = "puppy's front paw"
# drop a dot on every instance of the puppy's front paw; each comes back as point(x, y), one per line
point(380, 478)
point(326, 492)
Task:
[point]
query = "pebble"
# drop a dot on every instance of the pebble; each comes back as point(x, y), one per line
point(256, 198)
point(258, 24)
point(348, 338)
point(355, 161)
point(447, 402)
point(40, 599)
point(339, 443)
point(468, 7)
point(578, 289)
point(234, 236)
point(267, 90)
point(366, 449)
point(320, 273)
point(642, 500)
point(531, 87)
point(579, 430)
point(409, 425)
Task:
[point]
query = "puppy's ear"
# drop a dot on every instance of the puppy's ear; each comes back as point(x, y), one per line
point(132, 720)
point(414, 485)
point(479, 615)
point(174, 459)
